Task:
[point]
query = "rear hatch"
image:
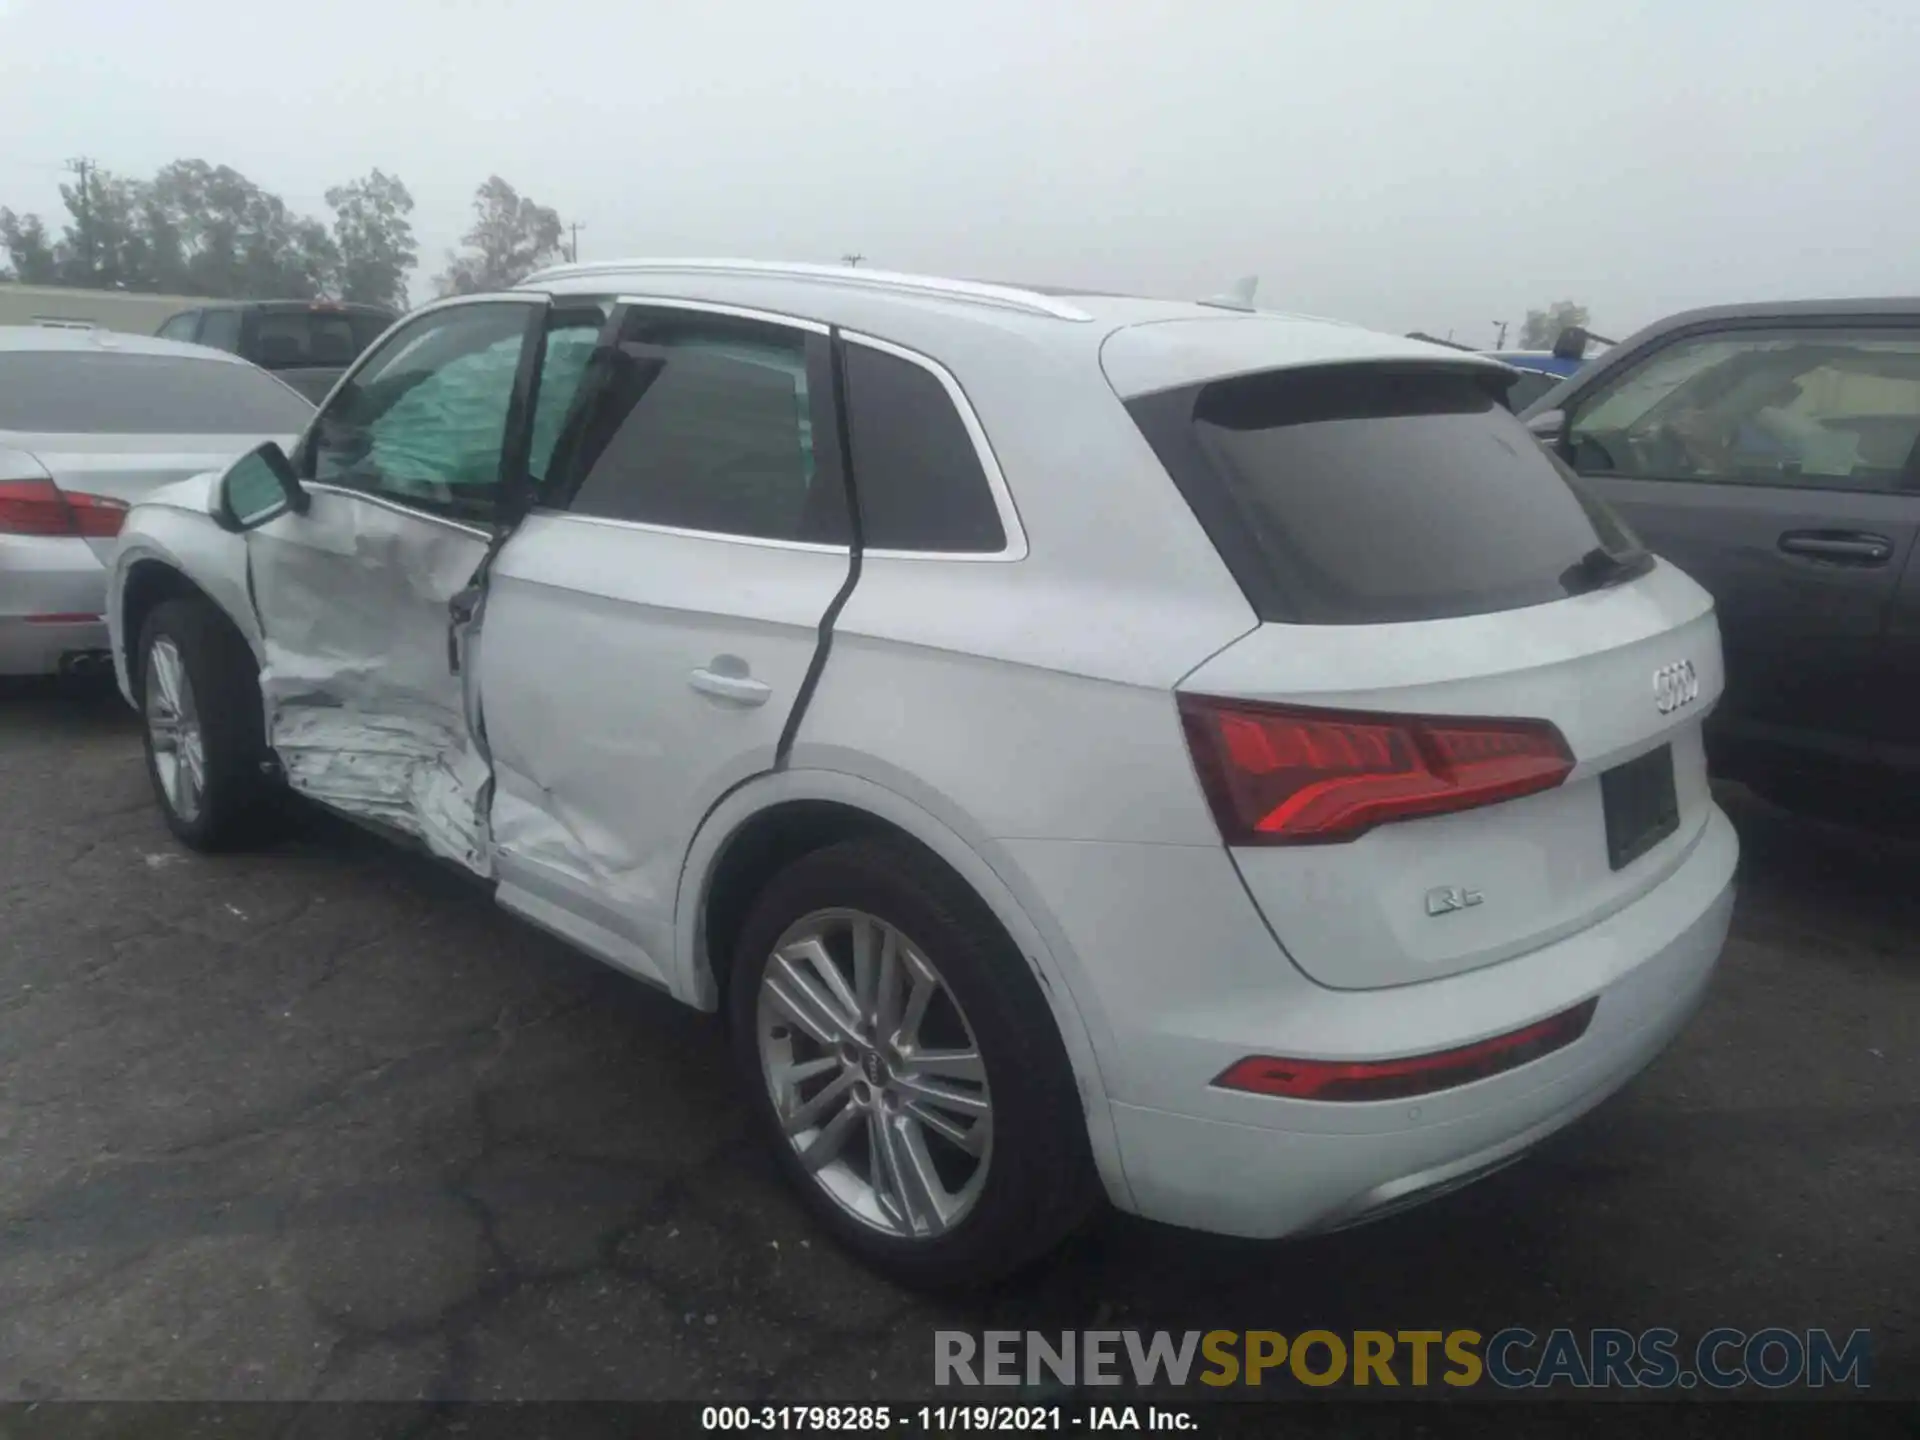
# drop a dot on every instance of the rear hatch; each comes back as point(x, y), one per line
point(1470, 720)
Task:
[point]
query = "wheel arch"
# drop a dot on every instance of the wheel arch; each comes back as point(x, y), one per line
point(166, 552)
point(772, 820)
point(149, 583)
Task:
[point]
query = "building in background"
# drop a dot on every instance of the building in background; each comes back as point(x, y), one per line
point(123, 310)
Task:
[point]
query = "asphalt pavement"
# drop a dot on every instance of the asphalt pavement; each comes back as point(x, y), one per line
point(323, 1123)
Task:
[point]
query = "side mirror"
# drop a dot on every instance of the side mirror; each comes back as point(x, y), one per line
point(258, 487)
point(1549, 427)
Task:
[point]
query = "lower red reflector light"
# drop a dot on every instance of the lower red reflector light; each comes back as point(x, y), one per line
point(78, 619)
point(1410, 1074)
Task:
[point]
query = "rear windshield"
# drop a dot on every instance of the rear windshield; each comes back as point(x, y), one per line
point(82, 393)
point(1359, 495)
point(291, 339)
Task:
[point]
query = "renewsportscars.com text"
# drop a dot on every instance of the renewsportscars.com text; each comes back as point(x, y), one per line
point(1515, 1358)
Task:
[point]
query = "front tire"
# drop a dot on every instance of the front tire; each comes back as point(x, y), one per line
point(199, 695)
point(904, 1066)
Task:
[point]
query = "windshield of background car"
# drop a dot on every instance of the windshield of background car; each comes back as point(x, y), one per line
point(62, 392)
point(1367, 494)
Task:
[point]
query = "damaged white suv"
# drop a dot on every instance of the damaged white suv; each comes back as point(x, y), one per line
point(1089, 745)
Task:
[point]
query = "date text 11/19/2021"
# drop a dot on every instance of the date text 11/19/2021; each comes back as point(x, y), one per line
point(943, 1419)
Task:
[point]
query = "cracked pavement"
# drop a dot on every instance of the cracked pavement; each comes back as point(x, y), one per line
point(323, 1123)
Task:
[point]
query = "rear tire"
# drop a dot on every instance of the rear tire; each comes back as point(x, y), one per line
point(199, 693)
point(983, 1163)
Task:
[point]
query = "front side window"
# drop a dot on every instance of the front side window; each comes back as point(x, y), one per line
point(424, 420)
point(706, 422)
point(180, 327)
point(1828, 409)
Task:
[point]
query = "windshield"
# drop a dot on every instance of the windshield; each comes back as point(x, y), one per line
point(60, 392)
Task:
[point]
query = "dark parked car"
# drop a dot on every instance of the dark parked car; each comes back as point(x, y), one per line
point(1773, 453)
point(307, 343)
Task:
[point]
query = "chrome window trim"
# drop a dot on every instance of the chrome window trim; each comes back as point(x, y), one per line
point(385, 503)
point(648, 527)
point(737, 312)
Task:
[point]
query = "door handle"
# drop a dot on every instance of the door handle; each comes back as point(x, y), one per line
point(740, 689)
point(1842, 547)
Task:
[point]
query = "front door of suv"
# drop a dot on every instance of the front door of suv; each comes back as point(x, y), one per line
point(368, 704)
point(1773, 463)
point(650, 631)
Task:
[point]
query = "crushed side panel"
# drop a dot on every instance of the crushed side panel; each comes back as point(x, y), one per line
point(362, 707)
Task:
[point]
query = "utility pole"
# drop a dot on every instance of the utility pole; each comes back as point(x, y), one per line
point(853, 259)
point(1501, 342)
point(83, 168)
point(573, 254)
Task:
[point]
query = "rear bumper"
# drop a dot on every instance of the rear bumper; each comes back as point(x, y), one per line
point(1263, 1167)
point(43, 577)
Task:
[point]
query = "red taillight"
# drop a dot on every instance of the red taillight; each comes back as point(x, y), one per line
point(1281, 775)
point(39, 507)
point(1409, 1075)
point(98, 517)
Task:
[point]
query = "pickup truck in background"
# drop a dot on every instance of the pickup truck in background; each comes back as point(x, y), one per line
point(308, 344)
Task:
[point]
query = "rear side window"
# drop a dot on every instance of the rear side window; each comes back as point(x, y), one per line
point(707, 423)
point(105, 394)
point(1360, 495)
point(915, 467)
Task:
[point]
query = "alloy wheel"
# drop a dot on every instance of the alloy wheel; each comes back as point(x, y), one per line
point(173, 726)
point(875, 1074)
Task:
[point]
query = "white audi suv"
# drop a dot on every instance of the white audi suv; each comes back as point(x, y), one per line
point(1087, 745)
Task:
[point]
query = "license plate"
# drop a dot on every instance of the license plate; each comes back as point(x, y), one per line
point(1640, 804)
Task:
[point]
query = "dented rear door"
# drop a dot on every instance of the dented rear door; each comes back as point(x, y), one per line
point(654, 627)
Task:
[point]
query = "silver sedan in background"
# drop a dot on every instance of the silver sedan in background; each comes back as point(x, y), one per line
point(90, 421)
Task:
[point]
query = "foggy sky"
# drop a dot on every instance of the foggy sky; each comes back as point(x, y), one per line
point(1403, 164)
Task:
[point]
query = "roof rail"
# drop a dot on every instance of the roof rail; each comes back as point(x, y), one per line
point(1006, 297)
